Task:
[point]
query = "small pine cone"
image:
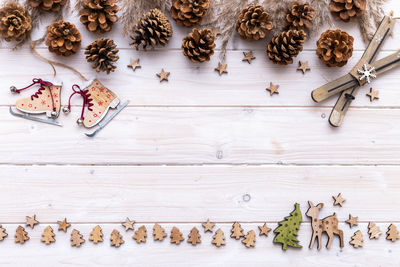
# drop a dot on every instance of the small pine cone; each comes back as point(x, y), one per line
point(347, 10)
point(63, 38)
point(15, 22)
point(285, 46)
point(103, 54)
point(300, 16)
point(199, 46)
point(47, 5)
point(189, 12)
point(335, 47)
point(99, 15)
point(152, 29)
point(253, 23)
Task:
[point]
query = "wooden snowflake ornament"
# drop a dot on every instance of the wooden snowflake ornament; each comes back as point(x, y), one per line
point(48, 236)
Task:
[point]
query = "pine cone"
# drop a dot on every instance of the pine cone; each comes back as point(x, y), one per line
point(15, 22)
point(347, 10)
point(102, 53)
point(47, 5)
point(335, 47)
point(63, 38)
point(253, 23)
point(99, 15)
point(153, 29)
point(189, 12)
point(300, 16)
point(285, 46)
point(199, 46)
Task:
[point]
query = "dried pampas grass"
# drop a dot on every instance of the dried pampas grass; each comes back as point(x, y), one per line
point(372, 17)
point(322, 15)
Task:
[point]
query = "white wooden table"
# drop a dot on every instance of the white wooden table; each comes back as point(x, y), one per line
point(201, 146)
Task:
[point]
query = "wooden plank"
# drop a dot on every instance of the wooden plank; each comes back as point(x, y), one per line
point(208, 135)
point(234, 253)
point(200, 85)
point(194, 193)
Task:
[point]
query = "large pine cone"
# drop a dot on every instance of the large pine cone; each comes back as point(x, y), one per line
point(47, 5)
point(335, 47)
point(347, 10)
point(300, 16)
point(285, 46)
point(102, 53)
point(15, 22)
point(99, 15)
point(189, 12)
point(253, 23)
point(63, 38)
point(199, 46)
point(153, 29)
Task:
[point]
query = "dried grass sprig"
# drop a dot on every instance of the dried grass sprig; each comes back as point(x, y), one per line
point(322, 15)
point(370, 20)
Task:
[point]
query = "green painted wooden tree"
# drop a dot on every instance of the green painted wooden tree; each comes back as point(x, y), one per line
point(286, 232)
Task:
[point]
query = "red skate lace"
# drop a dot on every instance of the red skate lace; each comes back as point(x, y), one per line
point(39, 91)
point(86, 98)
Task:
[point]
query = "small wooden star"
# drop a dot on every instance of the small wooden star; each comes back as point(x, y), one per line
point(338, 200)
point(221, 68)
point(248, 56)
point(63, 225)
point(31, 221)
point(373, 94)
point(273, 89)
point(208, 226)
point(134, 64)
point(264, 230)
point(303, 66)
point(163, 75)
point(352, 221)
point(128, 224)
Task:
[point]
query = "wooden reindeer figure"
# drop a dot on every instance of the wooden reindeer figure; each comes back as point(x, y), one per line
point(329, 225)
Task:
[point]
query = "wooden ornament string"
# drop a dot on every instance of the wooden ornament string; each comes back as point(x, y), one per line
point(52, 62)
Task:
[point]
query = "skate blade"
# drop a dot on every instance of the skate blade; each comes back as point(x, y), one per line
point(103, 124)
point(32, 118)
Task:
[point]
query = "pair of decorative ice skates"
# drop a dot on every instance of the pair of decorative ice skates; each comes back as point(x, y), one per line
point(97, 100)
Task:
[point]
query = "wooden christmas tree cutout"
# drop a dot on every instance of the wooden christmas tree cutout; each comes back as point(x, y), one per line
point(374, 231)
point(286, 232)
point(329, 225)
point(338, 200)
point(237, 231)
point(48, 236)
point(176, 236)
point(63, 225)
point(194, 237)
point(208, 226)
point(20, 235)
point(96, 235)
point(76, 238)
point(392, 234)
point(116, 238)
point(357, 239)
point(3, 233)
point(250, 239)
point(128, 224)
point(140, 235)
point(264, 230)
point(31, 221)
point(158, 232)
point(218, 238)
point(352, 221)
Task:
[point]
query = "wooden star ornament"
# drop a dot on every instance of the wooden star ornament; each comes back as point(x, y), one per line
point(134, 64)
point(128, 224)
point(338, 200)
point(163, 75)
point(303, 66)
point(273, 89)
point(63, 225)
point(373, 94)
point(31, 221)
point(264, 230)
point(208, 226)
point(221, 68)
point(248, 56)
point(352, 221)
